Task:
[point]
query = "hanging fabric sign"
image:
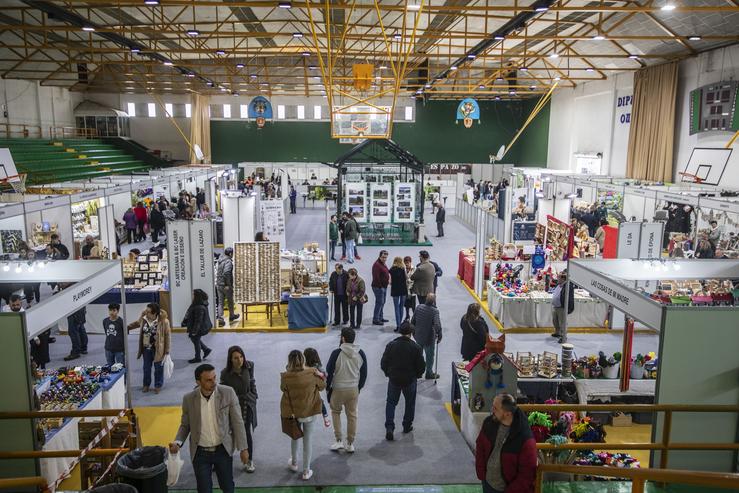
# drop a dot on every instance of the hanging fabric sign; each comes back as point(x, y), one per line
point(261, 110)
point(467, 111)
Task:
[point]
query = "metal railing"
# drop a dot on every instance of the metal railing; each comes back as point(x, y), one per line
point(639, 477)
point(14, 484)
point(467, 214)
point(26, 131)
point(664, 446)
point(21, 130)
point(72, 133)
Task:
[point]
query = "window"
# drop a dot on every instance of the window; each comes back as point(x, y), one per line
point(409, 113)
point(152, 107)
point(244, 111)
point(316, 112)
point(131, 109)
point(301, 112)
point(226, 111)
point(188, 110)
point(280, 111)
point(168, 109)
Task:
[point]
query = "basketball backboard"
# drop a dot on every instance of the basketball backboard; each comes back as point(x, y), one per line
point(360, 122)
point(706, 165)
point(8, 171)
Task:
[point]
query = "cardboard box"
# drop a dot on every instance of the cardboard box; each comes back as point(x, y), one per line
point(621, 420)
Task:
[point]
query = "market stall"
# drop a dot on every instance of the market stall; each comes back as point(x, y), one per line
point(12, 229)
point(45, 217)
point(303, 277)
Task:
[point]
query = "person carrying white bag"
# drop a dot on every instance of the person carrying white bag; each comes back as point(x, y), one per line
point(154, 344)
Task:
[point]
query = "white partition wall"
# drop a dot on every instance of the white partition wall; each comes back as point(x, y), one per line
point(106, 223)
point(119, 196)
point(238, 219)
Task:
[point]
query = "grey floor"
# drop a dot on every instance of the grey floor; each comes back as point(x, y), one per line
point(434, 452)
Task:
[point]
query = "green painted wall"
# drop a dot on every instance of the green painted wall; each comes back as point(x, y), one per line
point(433, 137)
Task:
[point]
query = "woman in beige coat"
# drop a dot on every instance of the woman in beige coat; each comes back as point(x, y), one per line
point(154, 342)
point(301, 398)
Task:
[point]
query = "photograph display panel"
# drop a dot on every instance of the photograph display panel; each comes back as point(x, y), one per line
point(405, 202)
point(381, 200)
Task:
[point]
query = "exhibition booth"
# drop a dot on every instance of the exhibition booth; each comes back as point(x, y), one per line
point(64, 388)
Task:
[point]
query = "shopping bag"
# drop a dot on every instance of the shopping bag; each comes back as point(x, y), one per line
point(174, 464)
point(360, 241)
point(168, 366)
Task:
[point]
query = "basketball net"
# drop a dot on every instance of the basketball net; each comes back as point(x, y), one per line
point(690, 178)
point(18, 182)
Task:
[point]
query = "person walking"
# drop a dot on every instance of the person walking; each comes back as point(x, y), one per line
point(423, 277)
point(380, 282)
point(398, 289)
point(341, 224)
point(212, 421)
point(77, 333)
point(129, 219)
point(301, 399)
point(474, 332)
point(154, 344)
point(440, 219)
point(114, 334)
point(505, 451)
point(198, 323)
point(346, 373)
point(410, 300)
point(333, 236)
point(293, 200)
point(239, 375)
point(337, 284)
point(356, 294)
point(351, 233)
point(600, 235)
point(428, 331)
point(141, 220)
point(225, 286)
point(558, 307)
point(156, 219)
point(402, 363)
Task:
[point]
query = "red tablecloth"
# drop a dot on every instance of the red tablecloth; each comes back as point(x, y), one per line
point(467, 265)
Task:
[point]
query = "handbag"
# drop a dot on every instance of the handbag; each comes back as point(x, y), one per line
point(291, 426)
point(360, 241)
point(364, 299)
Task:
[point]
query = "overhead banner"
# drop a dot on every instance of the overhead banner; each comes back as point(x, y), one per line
point(629, 234)
point(180, 282)
point(201, 261)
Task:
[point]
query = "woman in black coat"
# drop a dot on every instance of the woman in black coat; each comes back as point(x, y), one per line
point(198, 323)
point(239, 375)
point(474, 332)
point(398, 289)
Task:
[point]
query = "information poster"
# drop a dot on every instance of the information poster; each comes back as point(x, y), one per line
point(201, 261)
point(381, 200)
point(405, 202)
point(273, 220)
point(356, 200)
point(180, 282)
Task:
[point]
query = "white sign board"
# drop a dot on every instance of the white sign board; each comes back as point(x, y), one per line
point(628, 240)
point(180, 282)
point(631, 303)
point(201, 261)
point(273, 220)
point(650, 244)
point(404, 210)
point(380, 202)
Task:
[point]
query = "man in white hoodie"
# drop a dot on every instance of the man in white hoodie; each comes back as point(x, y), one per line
point(346, 373)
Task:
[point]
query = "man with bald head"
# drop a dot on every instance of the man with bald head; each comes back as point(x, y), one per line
point(428, 331)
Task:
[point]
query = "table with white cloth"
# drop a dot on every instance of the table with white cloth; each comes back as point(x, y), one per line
point(535, 310)
point(110, 395)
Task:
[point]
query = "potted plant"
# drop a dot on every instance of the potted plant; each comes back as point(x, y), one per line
point(610, 365)
point(637, 365)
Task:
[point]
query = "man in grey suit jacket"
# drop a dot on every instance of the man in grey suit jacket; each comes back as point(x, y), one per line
point(212, 419)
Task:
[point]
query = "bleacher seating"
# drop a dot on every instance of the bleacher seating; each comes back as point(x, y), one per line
point(53, 161)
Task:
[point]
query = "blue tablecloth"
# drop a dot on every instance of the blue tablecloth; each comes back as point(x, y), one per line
point(133, 296)
point(307, 312)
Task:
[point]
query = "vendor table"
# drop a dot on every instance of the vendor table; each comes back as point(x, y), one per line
point(537, 311)
point(136, 301)
point(307, 312)
point(466, 270)
point(605, 388)
point(111, 395)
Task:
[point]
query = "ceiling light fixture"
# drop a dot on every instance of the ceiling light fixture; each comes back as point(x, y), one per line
point(413, 5)
point(190, 74)
point(694, 38)
point(532, 87)
point(554, 55)
point(135, 50)
point(523, 69)
point(481, 86)
point(512, 92)
point(668, 7)
point(209, 83)
point(599, 37)
point(284, 5)
point(558, 78)
point(168, 63)
point(471, 56)
point(253, 76)
point(88, 29)
point(453, 67)
point(541, 9)
point(590, 69)
point(192, 32)
point(306, 53)
point(497, 98)
point(499, 37)
point(633, 57)
point(427, 86)
point(397, 36)
point(151, 2)
point(313, 67)
point(297, 35)
point(499, 79)
point(382, 67)
point(220, 52)
point(239, 65)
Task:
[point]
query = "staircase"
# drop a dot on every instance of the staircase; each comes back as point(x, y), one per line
point(53, 161)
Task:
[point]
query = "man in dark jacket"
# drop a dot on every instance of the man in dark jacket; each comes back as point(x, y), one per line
point(428, 331)
point(77, 333)
point(337, 285)
point(440, 219)
point(402, 362)
point(156, 221)
point(505, 453)
point(59, 251)
point(558, 307)
point(380, 282)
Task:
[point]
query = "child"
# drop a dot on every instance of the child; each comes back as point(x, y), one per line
point(113, 326)
point(312, 360)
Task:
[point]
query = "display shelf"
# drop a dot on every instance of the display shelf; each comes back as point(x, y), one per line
point(558, 239)
point(257, 272)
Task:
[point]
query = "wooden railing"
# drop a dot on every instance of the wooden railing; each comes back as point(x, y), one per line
point(664, 445)
point(21, 130)
point(639, 477)
point(14, 484)
point(72, 133)
point(25, 131)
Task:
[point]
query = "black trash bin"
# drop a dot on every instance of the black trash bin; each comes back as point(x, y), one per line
point(145, 469)
point(114, 488)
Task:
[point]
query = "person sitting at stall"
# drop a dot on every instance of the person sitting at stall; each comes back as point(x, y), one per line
point(56, 250)
point(261, 236)
point(89, 249)
point(520, 210)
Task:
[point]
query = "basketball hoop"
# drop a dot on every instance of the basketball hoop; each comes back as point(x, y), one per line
point(690, 177)
point(18, 182)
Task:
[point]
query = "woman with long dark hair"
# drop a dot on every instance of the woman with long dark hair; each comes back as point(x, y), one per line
point(198, 323)
point(239, 375)
point(474, 332)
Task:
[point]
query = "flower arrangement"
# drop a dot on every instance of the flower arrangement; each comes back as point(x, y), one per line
point(641, 359)
point(540, 424)
point(588, 431)
point(607, 362)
